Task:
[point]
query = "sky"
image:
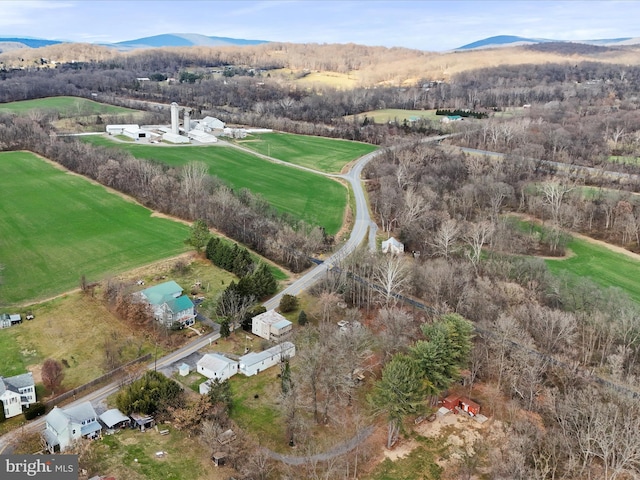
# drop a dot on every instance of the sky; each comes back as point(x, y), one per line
point(431, 25)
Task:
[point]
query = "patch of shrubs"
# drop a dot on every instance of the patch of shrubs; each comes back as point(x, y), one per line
point(35, 410)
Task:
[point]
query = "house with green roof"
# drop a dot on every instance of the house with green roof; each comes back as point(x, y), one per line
point(170, 307)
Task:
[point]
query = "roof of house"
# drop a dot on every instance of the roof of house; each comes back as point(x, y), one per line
point(392, 241)
point(257, 357)
point(179, 304)
point(83, 411)
point(282, 324)
point(270, 317)
point(57, 419)
point(21, 381)
point(113, 417)
point(215, 362)
point(162, 293)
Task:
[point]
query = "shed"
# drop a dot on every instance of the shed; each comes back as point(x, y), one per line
point(219, 458)
point(184, 370)
point(451, 402)
point(469, 406)
point(142, 422)
point(227, 436)
point(114, 418)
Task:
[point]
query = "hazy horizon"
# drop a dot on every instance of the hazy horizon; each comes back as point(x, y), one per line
point(424, 25)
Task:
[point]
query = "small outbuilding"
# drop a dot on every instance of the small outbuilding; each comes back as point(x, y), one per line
point(227, 436)
point(143, 422)
point(219, 458)
point(392, 246)
point(184, 370)
point(114, 419)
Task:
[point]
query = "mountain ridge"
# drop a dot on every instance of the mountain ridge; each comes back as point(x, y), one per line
point(498, 41)
point(155, 41)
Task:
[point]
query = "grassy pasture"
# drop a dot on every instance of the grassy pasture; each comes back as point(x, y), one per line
point(313, 198)
point(57, 227)
point(75, 326)
point(132, 454)
point(601, 265)
point(395, 114)
point(65, 106)
point(323, 154)
point(71, 328)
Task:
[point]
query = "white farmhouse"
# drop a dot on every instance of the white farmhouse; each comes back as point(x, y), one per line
point(271, 325)
point(64, 426)
point(255, 362)
point(16, 393)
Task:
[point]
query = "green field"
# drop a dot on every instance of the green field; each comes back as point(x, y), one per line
point(313, 198)
point(324, 154)
point(57, 227)
point(65, 106)
point(399, 115)
point(601, 265)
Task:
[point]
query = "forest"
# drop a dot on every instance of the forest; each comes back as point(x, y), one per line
point(556, 356)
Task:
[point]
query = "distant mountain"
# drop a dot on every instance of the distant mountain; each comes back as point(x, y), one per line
point(513, 40)
point(502, 41)
point(184, 40)
point(29, 42)
point(157, 41)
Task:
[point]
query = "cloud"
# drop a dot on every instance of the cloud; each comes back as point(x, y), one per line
point(19, 14)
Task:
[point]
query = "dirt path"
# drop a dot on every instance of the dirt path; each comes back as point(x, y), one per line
point(338, 450)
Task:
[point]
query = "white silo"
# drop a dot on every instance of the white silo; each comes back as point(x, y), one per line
point(187, 120)
point(175, 118)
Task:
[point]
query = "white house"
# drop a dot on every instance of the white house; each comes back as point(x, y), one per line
point(392, 246)
point(271, 325)
point(64, 426)
point(255, 362)
point(16, 393)
point(215, 366)
point(170, 307)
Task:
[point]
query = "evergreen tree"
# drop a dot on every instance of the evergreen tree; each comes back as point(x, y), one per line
point(302, 318)
point(199, 235)
point(220, 395)
point(288, 303)
point(225, 330)
point(400, 392)
point(445, 350)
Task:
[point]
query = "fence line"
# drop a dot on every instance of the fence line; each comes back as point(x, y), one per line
point(71, 393)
